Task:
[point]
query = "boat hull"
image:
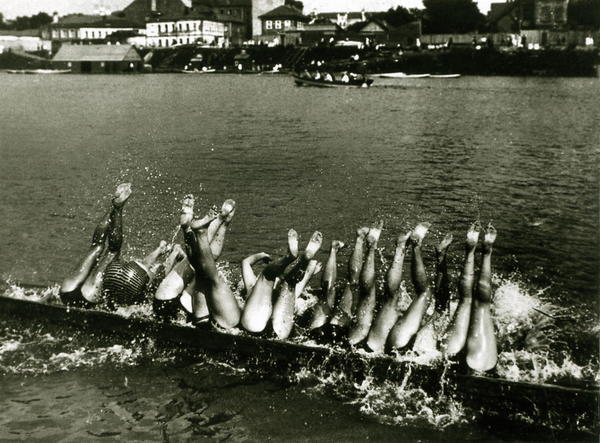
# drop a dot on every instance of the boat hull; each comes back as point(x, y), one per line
point(300, 81)
point(569, 407)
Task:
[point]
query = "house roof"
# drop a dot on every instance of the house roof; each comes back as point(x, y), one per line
point(500, 10)
point(94, 21)
point(285, 12)
point(20, 33)
point(97, 53)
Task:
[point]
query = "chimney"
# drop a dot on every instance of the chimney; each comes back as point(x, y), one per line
point(55, 17)
point(363, 16)
point(153, 5)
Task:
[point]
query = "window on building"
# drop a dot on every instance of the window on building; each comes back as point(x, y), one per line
point(268, 24)
point(187, 26)
point(287, 24)
point(277, 24)
point(299, 25)
point(229, 12)
point(159, 42)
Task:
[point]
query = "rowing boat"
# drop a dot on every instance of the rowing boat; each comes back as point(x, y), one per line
point(444, 76)
point(402, 75)
point(569, 406)
point(302, 81)
point(38, 71)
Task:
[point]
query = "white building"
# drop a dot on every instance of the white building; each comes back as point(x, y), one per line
point(185, 30)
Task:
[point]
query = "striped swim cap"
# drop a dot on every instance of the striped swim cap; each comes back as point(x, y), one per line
point(124, 282)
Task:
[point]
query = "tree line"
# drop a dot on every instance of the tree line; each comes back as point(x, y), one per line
point(26, 22)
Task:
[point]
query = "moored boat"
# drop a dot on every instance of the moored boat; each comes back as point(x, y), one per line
point(38, 71)
point(444, 76)
point(304, 81)
point(402, 75)
point(569, 405)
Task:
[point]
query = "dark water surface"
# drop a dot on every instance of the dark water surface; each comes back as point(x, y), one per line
point(522, 153)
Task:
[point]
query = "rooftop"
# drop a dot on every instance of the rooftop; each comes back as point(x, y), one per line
point(285, 12)
point(96, 53)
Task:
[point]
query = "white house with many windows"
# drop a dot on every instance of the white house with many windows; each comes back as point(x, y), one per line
point(185, 30)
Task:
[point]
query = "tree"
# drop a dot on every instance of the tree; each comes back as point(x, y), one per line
point(451, 16)
point(397, 16)
point(295, 4)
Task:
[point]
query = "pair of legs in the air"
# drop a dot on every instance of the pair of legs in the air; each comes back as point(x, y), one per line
point(259, 307)
point(84, 286)
point(204, 240)
point(472, 324)
point(365, 306)
point(181, 280)
point(207, 290)
point(393, 328)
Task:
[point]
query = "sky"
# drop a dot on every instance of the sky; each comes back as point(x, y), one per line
point(13, 8)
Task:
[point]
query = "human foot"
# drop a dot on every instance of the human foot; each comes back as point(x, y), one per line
point(336, 245)
point(293, 242)
point(418, 234)
point(187, 210)
point(313, 245)
point(443, 246)
point(473, 235)
point(121, 194)
point(374, 233)
point(362, 232)
point(227, 210)
point(489, 237)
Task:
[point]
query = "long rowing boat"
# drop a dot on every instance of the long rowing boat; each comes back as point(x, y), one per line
point(572, 405)
point(303, 81)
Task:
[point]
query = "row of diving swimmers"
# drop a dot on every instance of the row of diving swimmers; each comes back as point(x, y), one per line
point(193, 281)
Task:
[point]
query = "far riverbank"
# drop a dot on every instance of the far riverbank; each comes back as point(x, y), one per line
point(487, 61)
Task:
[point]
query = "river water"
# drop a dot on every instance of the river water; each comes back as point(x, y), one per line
point(519, 152)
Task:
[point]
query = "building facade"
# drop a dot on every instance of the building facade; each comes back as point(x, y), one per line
point(283, 25)
point(185, 30)
point(97, 59)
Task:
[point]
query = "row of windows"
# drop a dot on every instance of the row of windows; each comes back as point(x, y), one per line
point(190, 27)
point(180, 41)
point(287, 24)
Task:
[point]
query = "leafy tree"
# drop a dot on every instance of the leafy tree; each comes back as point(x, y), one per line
point(451, 16)
point(295, 4)
point(397, 16)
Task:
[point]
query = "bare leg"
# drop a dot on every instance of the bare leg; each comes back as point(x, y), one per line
point(322, 310)
point(390, 310)
point(76, 279)
point(221, 302)
point(313, 268)
point(408, 325)
point(367, 296)
point(151, 261)
point(346, 306)
point(482, 351)
point(218, 228)
point(182, 273)
point(91, 289)
point(259, 304)
point(456, 336)
point(283, 311)
point(442, 290)
point(248, 275)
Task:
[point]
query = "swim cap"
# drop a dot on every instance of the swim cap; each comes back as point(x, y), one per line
point(124, 282)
